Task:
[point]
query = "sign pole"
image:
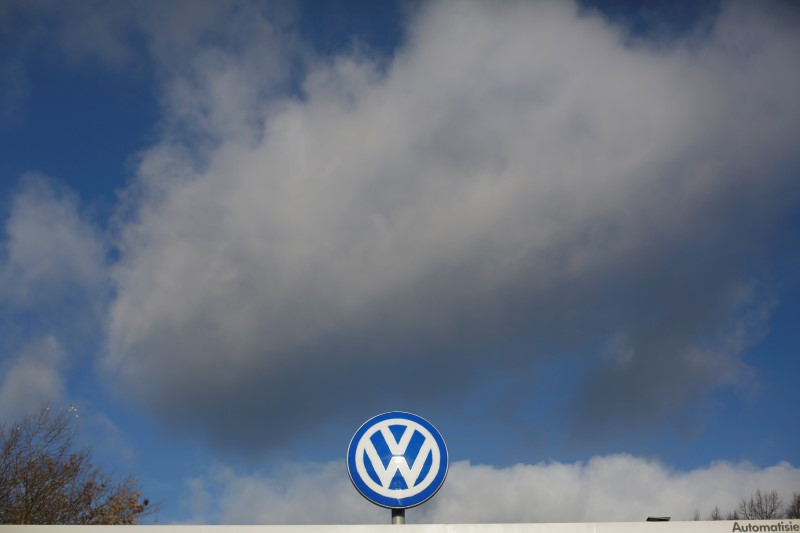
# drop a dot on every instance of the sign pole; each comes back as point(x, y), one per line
point(398, 516)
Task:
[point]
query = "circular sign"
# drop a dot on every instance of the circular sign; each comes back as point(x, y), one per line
point(397, 460)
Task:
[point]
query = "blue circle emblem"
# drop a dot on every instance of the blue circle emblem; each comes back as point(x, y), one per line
point(397, 460)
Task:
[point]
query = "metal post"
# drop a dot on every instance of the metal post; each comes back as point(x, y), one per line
point(398, 516)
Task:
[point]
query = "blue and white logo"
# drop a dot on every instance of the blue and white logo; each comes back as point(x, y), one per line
point(397, 460)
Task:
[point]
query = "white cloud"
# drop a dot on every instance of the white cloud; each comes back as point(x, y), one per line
point(518, 181)
point(50, 249)
point(52, 294)
point(296, 493)
point(31, 378)
point(606, 488)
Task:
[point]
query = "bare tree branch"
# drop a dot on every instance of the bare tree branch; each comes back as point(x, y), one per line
point(793, 509)
point(760, 506)
point(45, 480)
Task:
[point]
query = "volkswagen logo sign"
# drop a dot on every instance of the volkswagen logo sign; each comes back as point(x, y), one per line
point(397, 460)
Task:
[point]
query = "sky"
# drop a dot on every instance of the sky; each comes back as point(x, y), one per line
point(565, 233)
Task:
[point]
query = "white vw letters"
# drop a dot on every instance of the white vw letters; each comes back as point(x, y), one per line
point(398, 463)
point(397, 460)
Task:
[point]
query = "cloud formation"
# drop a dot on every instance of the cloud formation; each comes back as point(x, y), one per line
point(517, 182)
point(614, 488)
point(50, 248)
point(53, 283)
point(31, 378)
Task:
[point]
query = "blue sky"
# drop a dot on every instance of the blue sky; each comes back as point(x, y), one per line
point(563, 233)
